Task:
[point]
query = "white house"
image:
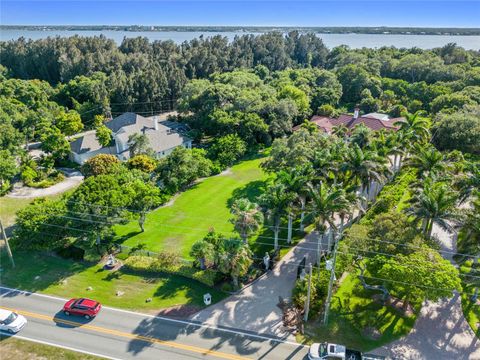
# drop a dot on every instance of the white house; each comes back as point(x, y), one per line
point(163, 137)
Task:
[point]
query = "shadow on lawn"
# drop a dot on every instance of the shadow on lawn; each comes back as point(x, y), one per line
point(39, 270)
point(251, 191)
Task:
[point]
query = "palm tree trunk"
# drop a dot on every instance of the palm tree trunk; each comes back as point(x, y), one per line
point(141, 221)
point(276, 230)
point(235, 281)
point(430, 230)
point(202, 263)
point(302, 214)
point(319, 242)
point(290, 223)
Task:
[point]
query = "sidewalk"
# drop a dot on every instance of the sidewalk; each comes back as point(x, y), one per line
point(255, 307)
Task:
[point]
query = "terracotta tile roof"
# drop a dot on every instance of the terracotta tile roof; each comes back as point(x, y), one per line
point(326, 124)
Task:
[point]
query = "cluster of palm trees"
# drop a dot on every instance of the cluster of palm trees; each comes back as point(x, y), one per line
point(327, 179)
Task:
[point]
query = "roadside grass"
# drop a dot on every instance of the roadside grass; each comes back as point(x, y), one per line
point(14, 349)
point(68, 278)
point(204, 206)
point(470, 309)
point(357, 321)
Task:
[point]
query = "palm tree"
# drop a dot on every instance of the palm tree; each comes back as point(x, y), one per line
point(204, 252)
point(276, 201)
point(341, 131)
point(326, 202)
point(414, 127)
point(470, 184)
point(296, 182)
point(435, 204)
point(248, 217)
point(235, 259)
point(361, 135)
point(427, 160)
point(364, 167)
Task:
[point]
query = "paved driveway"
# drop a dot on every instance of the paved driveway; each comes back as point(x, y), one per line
point(72, 180)
point(255, 307)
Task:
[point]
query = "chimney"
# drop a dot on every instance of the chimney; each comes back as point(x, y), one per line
point(356, 112)
point(155, 122)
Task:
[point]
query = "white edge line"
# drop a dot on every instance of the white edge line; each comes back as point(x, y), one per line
point(184, 322)
point(62, 347)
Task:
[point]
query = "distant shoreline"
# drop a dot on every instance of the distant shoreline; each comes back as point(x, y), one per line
point(254, 29)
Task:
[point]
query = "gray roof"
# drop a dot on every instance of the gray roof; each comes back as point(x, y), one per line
point(168, 135)
point(86, 143)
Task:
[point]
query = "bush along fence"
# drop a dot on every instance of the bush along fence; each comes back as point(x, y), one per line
point(150, 262)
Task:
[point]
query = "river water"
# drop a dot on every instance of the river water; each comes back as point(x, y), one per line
point(330, 40)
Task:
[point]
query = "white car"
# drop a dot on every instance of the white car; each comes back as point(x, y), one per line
point(11, 321)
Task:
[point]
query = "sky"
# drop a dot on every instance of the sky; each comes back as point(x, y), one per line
point(427, 13)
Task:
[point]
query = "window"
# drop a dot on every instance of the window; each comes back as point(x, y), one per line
point(11, 318)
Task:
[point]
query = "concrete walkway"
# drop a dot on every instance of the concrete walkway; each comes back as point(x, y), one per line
point(72, 180)
point(255, 307)
point(441, 331)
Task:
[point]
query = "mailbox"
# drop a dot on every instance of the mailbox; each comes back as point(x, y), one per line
point(207, 299)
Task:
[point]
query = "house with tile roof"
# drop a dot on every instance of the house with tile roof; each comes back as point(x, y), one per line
point(374, 121)
point(163, 136)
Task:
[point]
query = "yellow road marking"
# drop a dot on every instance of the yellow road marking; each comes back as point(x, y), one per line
point(149, 339)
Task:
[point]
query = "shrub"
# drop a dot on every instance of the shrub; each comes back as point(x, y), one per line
point(142, 162)
point(318, 291)
point(158, 265)
point(101, 164)
point(391, 194)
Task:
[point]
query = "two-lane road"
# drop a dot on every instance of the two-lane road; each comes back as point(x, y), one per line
point(119, 334)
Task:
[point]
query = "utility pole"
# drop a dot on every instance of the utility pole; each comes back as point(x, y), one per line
point(7, 245)
point(307, 302)
point(330, 284)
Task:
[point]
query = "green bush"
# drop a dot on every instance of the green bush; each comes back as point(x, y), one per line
point(154, 265)
point(391, 195)
point(5, 187)
point(318, 291)
point(37, 178)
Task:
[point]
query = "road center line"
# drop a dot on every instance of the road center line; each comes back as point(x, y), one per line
point(184, 322)
point(149, 339)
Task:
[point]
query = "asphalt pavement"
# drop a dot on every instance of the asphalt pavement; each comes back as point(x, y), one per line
point(120, 334)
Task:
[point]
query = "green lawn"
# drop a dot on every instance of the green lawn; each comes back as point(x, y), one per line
point(9, 207)
point(67, 278)
point(206, 205)
point(14, 349)
point(354, 316)
point(470, 310)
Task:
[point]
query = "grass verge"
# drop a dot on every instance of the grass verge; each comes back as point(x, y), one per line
point(66, 278)
point(14, 349)
point(357, 321)
point(470, 309)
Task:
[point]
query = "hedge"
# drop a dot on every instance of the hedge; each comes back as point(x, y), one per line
point(153, 265)
point(392, 194)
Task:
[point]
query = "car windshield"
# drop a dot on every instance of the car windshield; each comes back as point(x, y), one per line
point(322, 351)
point(11, 318)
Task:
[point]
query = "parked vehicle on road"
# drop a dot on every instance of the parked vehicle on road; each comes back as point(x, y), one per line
point(328, 351)
point(11, 321)
point(83, 307)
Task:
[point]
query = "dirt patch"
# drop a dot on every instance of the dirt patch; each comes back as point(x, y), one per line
point(179, 311)
point(396, 303)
